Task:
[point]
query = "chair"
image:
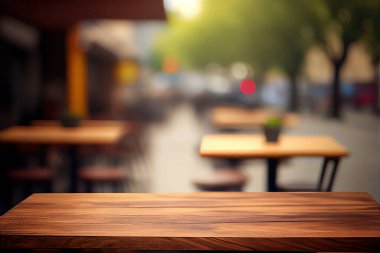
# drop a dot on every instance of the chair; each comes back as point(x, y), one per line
point(29, 180)
point(114, 164)
point(226, 179)
point(297, 187)
point(95, 176)
point(33, 171)
point(132, 150)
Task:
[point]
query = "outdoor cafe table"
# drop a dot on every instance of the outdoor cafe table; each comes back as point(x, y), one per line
point(225, 117)
point(57, 135)
point(254, 146)
point(84, 123)
point(267, 221)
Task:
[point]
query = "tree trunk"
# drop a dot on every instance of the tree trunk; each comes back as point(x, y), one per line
point(336, 101)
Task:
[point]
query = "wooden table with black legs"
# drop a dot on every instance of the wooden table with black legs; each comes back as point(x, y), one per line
point(224, 221)
point(72, 138)
point(254, 146)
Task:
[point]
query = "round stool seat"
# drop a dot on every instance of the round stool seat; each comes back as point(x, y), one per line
point(297, 187)
point(222, 180)
point(31, 174)
point(102, 174)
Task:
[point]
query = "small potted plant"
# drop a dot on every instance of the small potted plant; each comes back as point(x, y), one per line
point(70, 119)
point(272, 129)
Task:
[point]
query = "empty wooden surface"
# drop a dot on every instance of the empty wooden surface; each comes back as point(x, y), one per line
point(230, 117)
point(247, 145)
point(195, 221)
point(62, 135)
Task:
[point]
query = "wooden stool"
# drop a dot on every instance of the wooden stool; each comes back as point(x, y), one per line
point(222, 180)
point(103, 175)
point(31, 179)
point(297, 187)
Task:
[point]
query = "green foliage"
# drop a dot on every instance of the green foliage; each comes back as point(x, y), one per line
point(346, 21)
point(261, 33)
point(350, 20)
point(266, 33)
point(273, 122)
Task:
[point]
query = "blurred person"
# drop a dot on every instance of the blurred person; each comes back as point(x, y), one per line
point(275, 93)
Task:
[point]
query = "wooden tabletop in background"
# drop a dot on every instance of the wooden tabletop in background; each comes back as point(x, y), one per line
point(84, 122)
point(195, 221)
point(254, 145)
point(62, 135)
point(237, 117)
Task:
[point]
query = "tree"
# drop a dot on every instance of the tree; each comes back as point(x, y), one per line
point(341, 23)
point(293, 36)
point(271, 33)
point(261, 33)
point(372, 43)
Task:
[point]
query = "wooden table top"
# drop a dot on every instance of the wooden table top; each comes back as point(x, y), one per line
point(62, 135)
point(84, 123)
point(327, 221)
point(254, 145)
point(227, 117)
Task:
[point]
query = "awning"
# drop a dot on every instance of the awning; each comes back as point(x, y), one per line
point(58, 14)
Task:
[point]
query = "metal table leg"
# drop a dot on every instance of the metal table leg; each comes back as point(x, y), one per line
point(74, 166)
point(326, 162)
point(333, 173)
point(272, 174)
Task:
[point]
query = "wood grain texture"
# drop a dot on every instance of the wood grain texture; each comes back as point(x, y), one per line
point(255, 146)
point(195, 221)
point(60, 135)
point(237, 117)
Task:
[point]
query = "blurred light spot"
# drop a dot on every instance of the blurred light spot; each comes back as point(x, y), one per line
point(126, 72)
point(186, 8)
point(247, 86)
point(218, 84)
point(239, 70)
point(170, 65)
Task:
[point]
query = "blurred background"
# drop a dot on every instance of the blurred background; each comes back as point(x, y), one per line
point(164, 65)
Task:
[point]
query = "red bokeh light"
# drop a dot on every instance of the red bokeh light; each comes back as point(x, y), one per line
point(247, 86)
